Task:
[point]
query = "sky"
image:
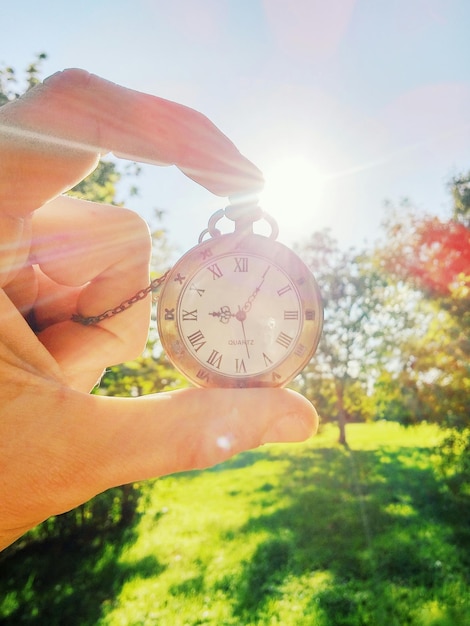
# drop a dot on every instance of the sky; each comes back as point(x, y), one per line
point(343, 104)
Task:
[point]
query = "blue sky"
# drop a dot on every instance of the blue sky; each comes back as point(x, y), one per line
point(343, 104)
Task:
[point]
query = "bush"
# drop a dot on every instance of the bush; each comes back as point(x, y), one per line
point(454, 462)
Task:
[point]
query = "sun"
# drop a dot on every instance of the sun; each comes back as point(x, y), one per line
point(293, 192)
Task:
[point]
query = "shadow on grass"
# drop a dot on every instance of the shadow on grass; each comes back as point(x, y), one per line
point(391, 539)
point(70, 581)
point(379, 522)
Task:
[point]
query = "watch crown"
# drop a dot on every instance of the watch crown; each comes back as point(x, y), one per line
point(244, 214)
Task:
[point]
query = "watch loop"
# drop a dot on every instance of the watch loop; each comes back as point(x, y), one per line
point(244, 216)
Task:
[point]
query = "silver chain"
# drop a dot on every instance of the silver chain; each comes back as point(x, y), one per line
point(126, 304)
point(243, 215)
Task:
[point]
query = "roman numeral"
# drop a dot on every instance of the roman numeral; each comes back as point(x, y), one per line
point(275, 377)
point(216, 271)
point(180, 279)
point(197, 340)
point(284, 340)
point(199, 291)
point(291, 315)
point(190, 316)
point(240, 366)
point(284, 290)
point(300, 350)
point(169, 314)
point(267, 360)
point(310, 315)
point(215, 359)
point(203, 375)
point(241, 264)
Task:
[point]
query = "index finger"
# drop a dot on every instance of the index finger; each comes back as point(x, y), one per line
point(80, 112)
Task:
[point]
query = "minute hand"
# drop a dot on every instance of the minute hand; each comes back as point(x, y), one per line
point(249, 302)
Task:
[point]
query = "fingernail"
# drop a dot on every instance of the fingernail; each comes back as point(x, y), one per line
point(288, 429)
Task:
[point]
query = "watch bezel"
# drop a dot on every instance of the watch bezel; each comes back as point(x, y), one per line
point(278, 254)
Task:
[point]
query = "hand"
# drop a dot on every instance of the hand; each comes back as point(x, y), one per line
point(59, 446)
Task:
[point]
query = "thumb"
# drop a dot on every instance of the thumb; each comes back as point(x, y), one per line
point(77, 445)
point(193, 428)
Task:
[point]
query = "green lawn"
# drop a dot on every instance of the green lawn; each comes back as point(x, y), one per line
point(306, 534)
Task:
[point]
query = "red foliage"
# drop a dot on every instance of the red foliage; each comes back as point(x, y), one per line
point(440, 256)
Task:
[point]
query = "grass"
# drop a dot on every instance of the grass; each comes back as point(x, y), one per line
point(307, 534)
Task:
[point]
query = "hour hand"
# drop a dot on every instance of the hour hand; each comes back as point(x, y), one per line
point(224, 314)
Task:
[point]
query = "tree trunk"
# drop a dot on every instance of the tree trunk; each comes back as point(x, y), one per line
point(342, 428)
point(341, 416)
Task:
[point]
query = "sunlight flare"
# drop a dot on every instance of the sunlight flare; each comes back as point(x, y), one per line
point(293, 192)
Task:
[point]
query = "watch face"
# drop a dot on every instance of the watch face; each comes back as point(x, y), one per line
point(239, 311)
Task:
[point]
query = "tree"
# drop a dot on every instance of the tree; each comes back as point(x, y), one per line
point(459, 187)
point(429, 253)
point(12, 87)
point(432, 257)
point(353, 293)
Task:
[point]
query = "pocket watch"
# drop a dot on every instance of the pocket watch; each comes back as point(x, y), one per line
point(239, 309)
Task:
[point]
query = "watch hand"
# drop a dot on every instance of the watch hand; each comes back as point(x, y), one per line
point(241, 317)
point(249, 302)
point(224, 314)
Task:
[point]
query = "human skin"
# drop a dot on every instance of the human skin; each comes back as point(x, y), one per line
point(59, 445)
